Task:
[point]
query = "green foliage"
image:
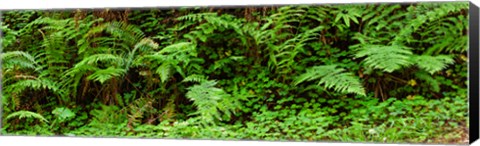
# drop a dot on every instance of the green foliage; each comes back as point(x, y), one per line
point(26, 114)
point(347, 13)
point(8, 35)
point(17, 59)
point(196, 78)
point(333, 77)
point(356, 72)
point(432, 64)
point(63, 113)
point(386, 58)
point(211, 101)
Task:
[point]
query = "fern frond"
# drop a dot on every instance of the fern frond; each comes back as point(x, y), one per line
point(429, 17)
point(164, 71)
point(26, 114)
point(105, 58)
point(146, 44)
point(106, 74)
point(135, 59)
point(125, 32)
point(386, 58)
point(209, 22)
point(9, 36)
point(287, 15)
point(432, 64)
point(435, 11)
point(210, 101)
point(18, 58)
point(36, 84)
point(195, 78)
point(78, 70)
point(178, 47)
point(283, 56)
point(371, 16)
point(332, 77)
point(196, 17)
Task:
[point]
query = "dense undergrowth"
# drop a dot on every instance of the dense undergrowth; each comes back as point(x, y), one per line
point(375, 73)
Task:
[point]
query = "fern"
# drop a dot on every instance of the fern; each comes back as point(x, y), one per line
point(448, 36)
point(347, 13)
point(146, 45)
point(196, 17)
point(432, 12)
point(36, 84)
point(435, 26)
point(180, 47)
point(213, 20)
point(210, 101)
point(92, 64)
point(275, 35)
point(122, 38)
point(129, 34)
point(104, 58)
point(392, 58)
point(332, 77)
point(209, 22)
point(380, 28)
point(288, 14)
point(106, 74)
point(283, 56)
point(21, 71)
point(18, 58)
point(170, 58)
point(386, 58)
point(196, 78)
point(432, 64)
point(53, 57)
point(164, 71)
point(72, 77)
point(8, 36)
point(26, 114)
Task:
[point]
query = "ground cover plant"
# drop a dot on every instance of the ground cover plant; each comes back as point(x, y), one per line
point(394, 73)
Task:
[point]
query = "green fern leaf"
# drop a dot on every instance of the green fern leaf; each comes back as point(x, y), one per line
point(195, 78)
point(332, 77)
point(27, 114)
point(164, 71)
point(432, 64)
point(386, 58)
point(36, 84)
point(177, 47)
point(210, 101)
point(105, 58)
point(18, 58)
point(106, 74)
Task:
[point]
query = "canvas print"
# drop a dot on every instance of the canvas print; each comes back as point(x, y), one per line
point(378, 72)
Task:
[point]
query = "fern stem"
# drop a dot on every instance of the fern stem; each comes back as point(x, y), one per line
point(397, 79)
